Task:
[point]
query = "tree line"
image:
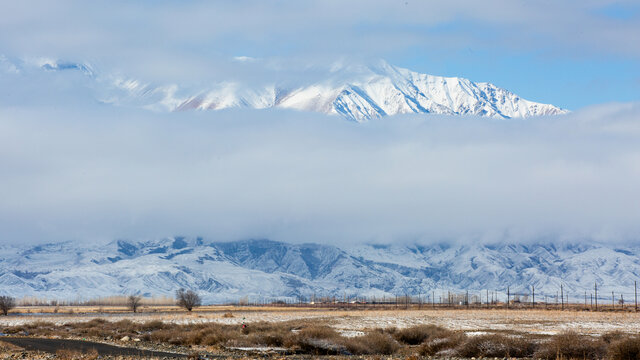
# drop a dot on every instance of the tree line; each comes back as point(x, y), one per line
point(187, 299)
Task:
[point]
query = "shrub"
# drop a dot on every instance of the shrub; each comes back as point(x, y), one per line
point(319, 332)
point(418, 334)
point(495, 345)
point(315, 339)
point(437, 344)
point(571, 346)
point(91, 323)
point(613, 336)
point(152, 325)
point(68, 354)
point(624, 349)
point(373, 342)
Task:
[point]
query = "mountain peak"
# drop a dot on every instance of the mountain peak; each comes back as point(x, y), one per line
point(354, 91)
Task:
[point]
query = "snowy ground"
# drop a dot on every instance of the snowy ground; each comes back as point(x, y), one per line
point(352, 323)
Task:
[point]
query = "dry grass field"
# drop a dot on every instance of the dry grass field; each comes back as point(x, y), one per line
point(462, 333)
point(547, 322)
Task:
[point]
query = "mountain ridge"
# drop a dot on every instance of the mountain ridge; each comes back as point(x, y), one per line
point(267, 269)
point(358, 93)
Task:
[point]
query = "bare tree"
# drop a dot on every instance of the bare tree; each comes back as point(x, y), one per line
point(188, 299)
point(7, 303)
point(134, 302)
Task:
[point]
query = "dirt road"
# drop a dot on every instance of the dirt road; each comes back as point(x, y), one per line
point(53, 345)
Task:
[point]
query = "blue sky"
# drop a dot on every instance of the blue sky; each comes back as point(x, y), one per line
point(570, 83)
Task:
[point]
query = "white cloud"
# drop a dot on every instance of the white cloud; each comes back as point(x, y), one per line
point(195, 38)
point(71, 168)
point(78, 171)
point(244, 58)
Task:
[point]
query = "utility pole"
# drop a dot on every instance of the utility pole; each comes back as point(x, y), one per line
point(562, 297)
point(596, 297)
point(508, 296)
point(467, 299)
point(613, 300)
point(635, 288)
point(533, 298)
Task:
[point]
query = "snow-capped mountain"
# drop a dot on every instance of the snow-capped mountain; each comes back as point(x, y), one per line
point(266, 270)
point(358, 93)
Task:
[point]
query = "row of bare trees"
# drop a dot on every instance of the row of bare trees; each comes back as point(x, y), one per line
point(187, 299)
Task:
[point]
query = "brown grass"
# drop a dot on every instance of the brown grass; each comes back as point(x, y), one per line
point(315, 337)
point(627, 348)
point(372, 343)
point(416, 335)
point(496, 345)
point(571, 346)
point(437, 345)
point(65, 354)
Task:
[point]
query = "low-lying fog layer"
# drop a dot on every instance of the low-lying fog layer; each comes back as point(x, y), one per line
point(90, 172)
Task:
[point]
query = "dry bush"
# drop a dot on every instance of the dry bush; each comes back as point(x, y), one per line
point(227, 315)
point(437, 344)
point(65, 354)
point(496, 345)
point(160, 336)
point(271, 333)
point(91, 323)
point(14, 329)
point(316, 346)
point(319, 332)
point(36, 328)
point(317, 340)
point(152, 325)
point(216, 337)
point(571, 346)
point(416, 335)
point(274, 338)
point(613, 336)
point(199, 334)
point(624, 349)
point(91, 354)
point(372, 343)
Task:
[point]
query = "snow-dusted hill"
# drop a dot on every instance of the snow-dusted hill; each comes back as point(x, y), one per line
point(264, 270)
point(358, 93)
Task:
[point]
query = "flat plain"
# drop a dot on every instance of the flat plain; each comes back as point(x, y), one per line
point(535, 321)
point(278, 331)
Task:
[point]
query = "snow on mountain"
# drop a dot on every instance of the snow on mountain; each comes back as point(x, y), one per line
point(266, 270)
point(358, 93)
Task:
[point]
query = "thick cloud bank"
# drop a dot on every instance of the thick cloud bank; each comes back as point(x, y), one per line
point(91, 172)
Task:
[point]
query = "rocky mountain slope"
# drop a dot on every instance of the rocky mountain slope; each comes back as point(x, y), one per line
point(264, 270)
point(357, 92)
